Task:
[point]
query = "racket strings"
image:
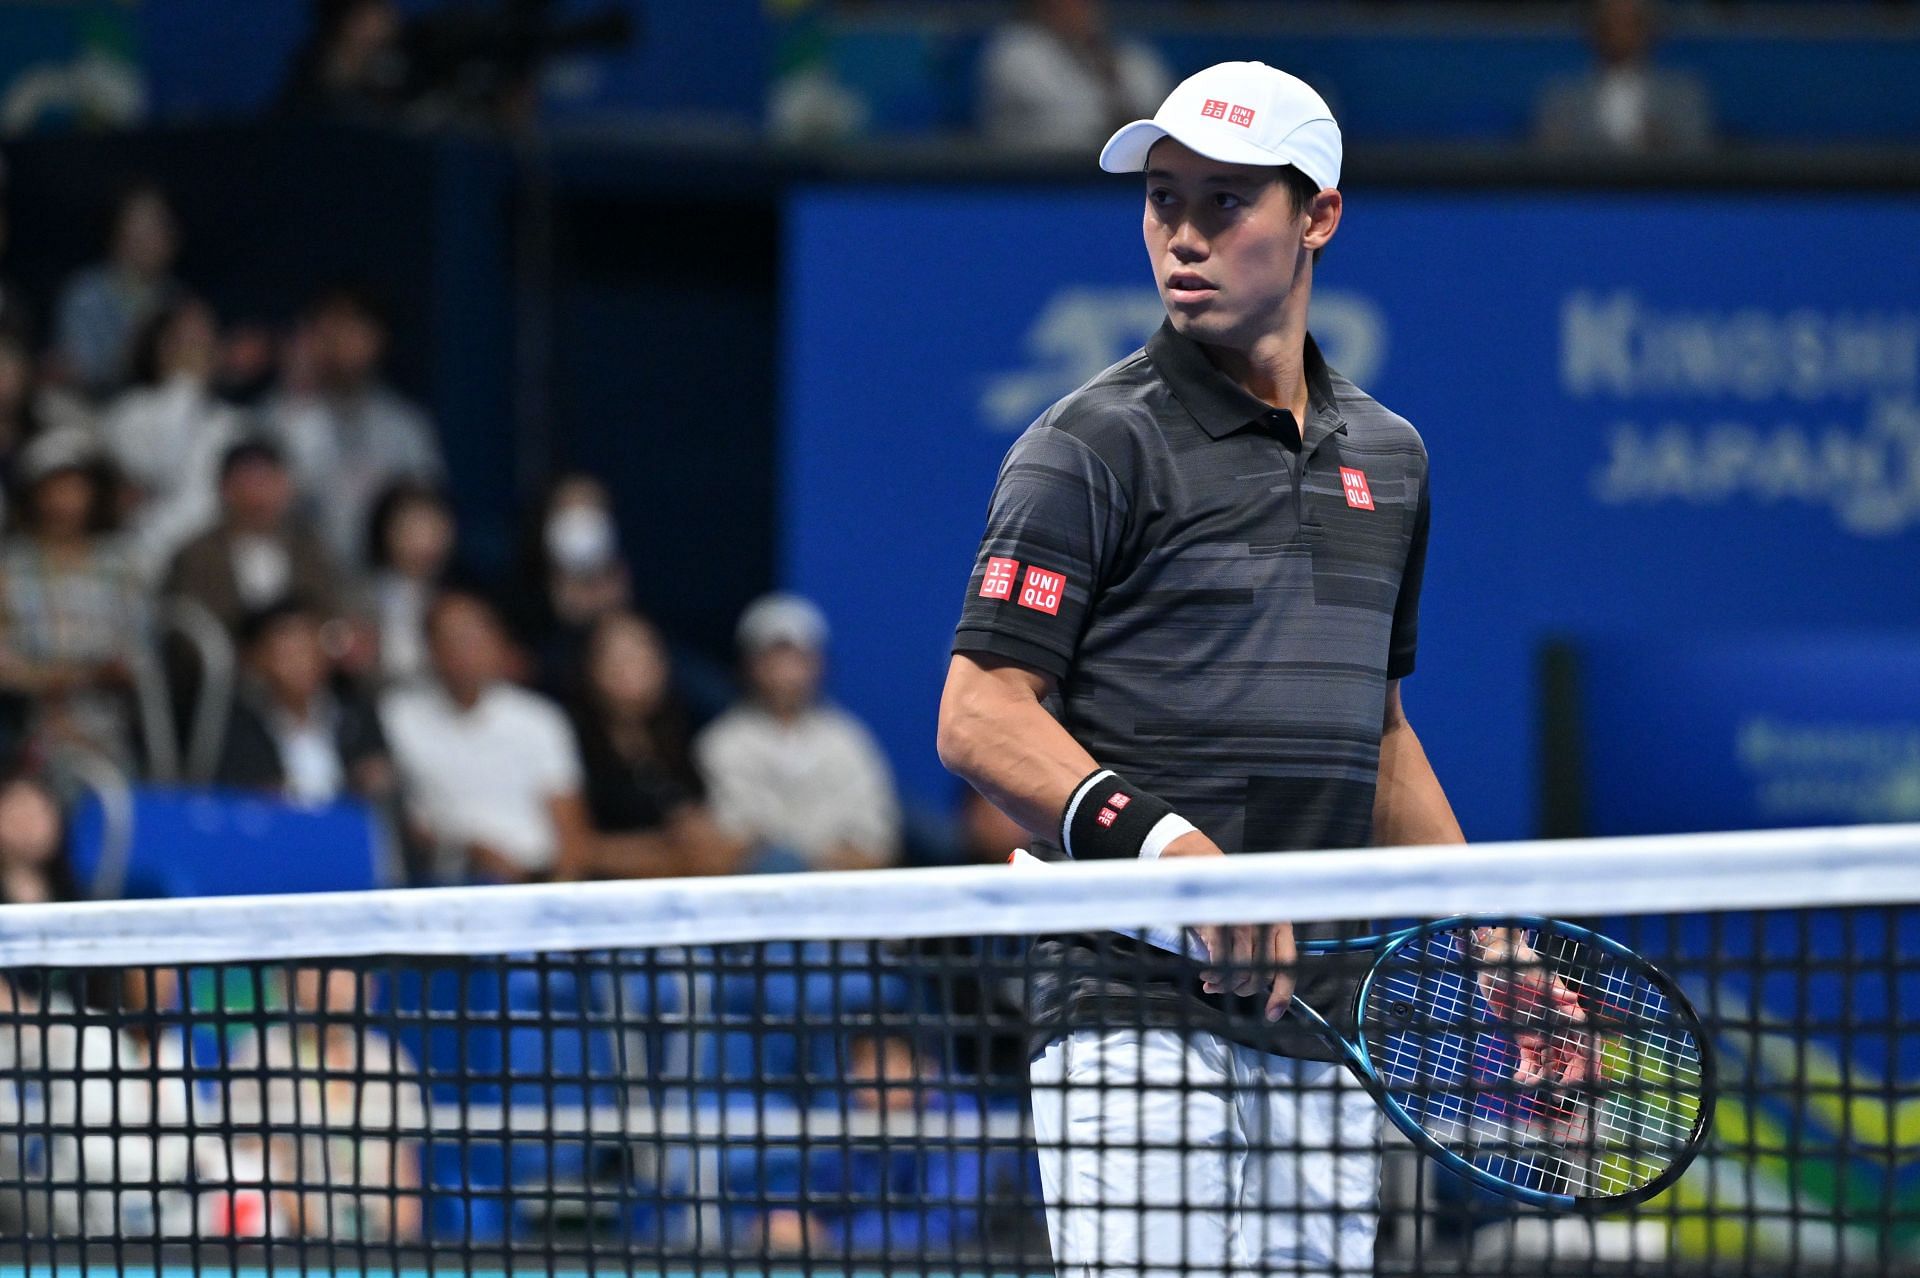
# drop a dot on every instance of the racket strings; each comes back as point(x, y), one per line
point(1446, 1027)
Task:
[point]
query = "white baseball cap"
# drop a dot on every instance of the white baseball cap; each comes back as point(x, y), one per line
point(1238, 113)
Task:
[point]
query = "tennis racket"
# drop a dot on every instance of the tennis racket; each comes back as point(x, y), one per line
point(1535, 1058)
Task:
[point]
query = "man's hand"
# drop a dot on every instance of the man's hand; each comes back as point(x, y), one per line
point(1248, 955)
point(1537, 1007)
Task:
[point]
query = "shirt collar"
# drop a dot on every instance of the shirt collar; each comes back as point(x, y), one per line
point(1222, 406)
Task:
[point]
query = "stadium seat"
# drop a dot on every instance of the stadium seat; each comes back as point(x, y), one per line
point(212, 843)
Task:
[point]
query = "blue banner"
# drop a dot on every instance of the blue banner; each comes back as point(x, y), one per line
point(1647, 416)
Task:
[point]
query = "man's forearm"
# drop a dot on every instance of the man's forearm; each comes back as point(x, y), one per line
point(1003, 742)
point(1409, 807)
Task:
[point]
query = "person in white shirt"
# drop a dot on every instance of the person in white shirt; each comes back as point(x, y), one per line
point(1057, 80)
point(127, 1139)
point(489, 771)
point(168, 431)
point(347, 434)
point(787, 769)
point(1625, 103)
point(342, 1118)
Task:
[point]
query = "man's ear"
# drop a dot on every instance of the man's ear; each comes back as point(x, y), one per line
point(1323, 219)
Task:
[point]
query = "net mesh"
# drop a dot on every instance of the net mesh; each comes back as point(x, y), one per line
point(826, 1073)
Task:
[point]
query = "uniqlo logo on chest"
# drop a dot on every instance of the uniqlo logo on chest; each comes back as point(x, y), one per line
point(998, 583)
point(1215, 109)
point(1042, 590)
point(1242, 116)
point(1355, 482)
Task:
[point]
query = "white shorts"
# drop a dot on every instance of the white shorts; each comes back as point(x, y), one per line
point(1180, 1154)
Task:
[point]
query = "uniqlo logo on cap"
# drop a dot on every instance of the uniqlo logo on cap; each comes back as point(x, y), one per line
point(1215, 109)
point(1120, 800)
point(1042, 590)
point(1107, 816)
point(1355, 482)
point(998, 583)
point(1242, 116)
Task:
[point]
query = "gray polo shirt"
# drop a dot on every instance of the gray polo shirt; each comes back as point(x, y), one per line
point(1222, 597)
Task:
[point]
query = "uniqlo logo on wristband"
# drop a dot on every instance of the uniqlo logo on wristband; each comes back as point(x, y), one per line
point(1359, 496)
point(1120, 800)
point(998, 583)
point(1042, 590)
point(1107, 816)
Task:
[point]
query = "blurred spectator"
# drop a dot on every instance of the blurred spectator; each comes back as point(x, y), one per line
point(410, 544)
point(574, 576)
point(348, 435)
point(1057, 79)
point(643, 794)
point(490, 771)
point(73, 610)
point(103, 306)
point(289, 733)
point(899, 1199)
point(120, 1116)
point(168, 430)
point(343, 1116)
point(352, 65)
point(257, 554)
point(785, 768)
point(34, 866)
point(1625, 104)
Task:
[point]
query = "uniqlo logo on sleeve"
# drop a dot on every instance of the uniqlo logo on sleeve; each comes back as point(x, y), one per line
point(1215, 109)
point(1042, 590)
point(1355, 482)
point(998, 583)
point(1242, 116)
point(1107, 816)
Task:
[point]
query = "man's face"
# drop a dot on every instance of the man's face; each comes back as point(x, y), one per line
point(290, 658)
point(786, 677)
point(350, 346)
point(467, 648)
point(1225, 243)
point(257, 494)
point(146, 241)
point(64, 502)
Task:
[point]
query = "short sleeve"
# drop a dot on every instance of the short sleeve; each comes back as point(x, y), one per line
point(1052, 530)
point(1406, 612)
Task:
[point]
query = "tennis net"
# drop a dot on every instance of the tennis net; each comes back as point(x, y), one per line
point(990, 1070)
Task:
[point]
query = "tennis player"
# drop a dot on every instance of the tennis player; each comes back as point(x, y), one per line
point(1184, 636)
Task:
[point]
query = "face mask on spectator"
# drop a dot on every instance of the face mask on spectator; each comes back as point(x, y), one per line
point(580, 539)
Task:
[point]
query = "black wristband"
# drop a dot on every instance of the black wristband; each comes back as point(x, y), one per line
point(1107, 819)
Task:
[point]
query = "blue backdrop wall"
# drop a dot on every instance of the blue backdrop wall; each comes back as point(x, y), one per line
point(1647, 416)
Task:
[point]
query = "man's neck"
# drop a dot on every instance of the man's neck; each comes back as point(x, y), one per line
point(467, 697)
point(295, 708)
point(1273, 370)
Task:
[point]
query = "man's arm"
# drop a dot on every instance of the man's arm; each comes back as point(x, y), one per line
point(1409, 807)
point(997, 736)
